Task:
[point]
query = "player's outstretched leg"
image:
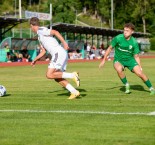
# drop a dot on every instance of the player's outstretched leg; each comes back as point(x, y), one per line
point(52, 74)
point(137, 70)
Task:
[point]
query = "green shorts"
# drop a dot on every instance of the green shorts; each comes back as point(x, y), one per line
point(130, 64)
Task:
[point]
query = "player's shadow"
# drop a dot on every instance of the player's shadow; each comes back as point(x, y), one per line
point(68, 94)
point(56, 91)
point(114, 88)
point(6, 95)
point(132, 87)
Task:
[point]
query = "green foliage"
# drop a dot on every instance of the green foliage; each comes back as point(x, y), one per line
point(64, 10)
point(6, 7)
point(104, 10)
point(139, 12)
point(91, 22)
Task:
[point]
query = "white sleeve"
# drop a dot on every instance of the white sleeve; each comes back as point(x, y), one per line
point(44, 31)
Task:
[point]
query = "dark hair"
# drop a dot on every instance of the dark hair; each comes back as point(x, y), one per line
point(34, 21)
point(129, 25)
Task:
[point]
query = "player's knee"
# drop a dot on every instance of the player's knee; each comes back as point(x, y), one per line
point(49, 76)
point(119, 70)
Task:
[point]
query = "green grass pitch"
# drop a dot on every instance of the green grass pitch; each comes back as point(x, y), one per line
point(36, 111)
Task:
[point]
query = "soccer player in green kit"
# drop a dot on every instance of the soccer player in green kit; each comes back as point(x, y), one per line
point(127, 55)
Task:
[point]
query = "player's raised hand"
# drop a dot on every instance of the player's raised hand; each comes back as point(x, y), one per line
point(33, 63)
point(102, 63)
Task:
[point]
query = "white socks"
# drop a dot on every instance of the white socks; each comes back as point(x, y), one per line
point(70, 88)
point(127, 84)
point(67, 75)
point(151, 88)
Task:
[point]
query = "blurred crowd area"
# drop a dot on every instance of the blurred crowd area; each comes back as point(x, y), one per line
point(77, 50)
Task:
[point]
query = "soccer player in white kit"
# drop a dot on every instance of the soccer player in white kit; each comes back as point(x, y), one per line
point(58, 62)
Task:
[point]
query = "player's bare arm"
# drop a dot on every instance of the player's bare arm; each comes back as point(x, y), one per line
point(41, 54)
point(59, 36)
point(105, 56)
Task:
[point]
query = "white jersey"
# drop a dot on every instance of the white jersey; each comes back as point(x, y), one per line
point(48, 41)
point(58, 53)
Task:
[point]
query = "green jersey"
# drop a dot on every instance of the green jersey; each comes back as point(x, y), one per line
point(124, 49)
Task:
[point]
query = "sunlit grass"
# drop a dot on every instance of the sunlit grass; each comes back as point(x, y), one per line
point(30, 92)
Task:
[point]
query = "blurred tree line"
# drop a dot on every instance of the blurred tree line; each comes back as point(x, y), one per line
point(140, 12)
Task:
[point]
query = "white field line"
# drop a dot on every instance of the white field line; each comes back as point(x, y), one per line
point(80, 112)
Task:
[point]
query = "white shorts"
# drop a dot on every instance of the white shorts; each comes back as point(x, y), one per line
point(59, 61)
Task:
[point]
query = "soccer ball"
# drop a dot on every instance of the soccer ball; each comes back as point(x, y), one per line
point(2, 90)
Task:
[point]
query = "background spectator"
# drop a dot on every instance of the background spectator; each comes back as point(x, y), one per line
point(75, 54)
point(25, 54)
point(92, 53)
point(8, 52)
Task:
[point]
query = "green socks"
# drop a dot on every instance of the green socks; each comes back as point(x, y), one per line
point(124, 81)
point(148, 83)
